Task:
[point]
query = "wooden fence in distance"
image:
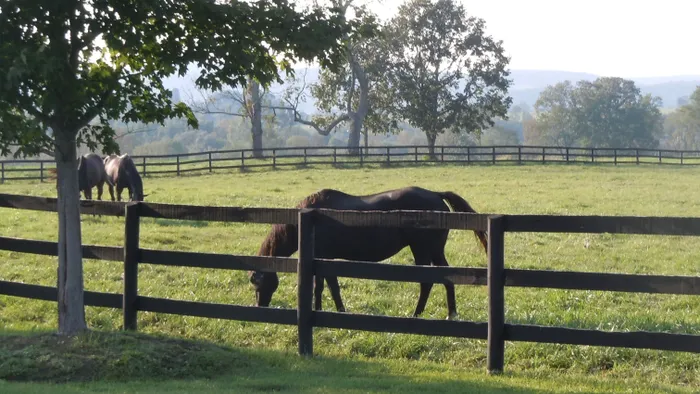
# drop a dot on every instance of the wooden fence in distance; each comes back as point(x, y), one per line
point(496, 276)
point(179, 164)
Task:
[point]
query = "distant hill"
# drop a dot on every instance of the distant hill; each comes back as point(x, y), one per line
point(527, 85)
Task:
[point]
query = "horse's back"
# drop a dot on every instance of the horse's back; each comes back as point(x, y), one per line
point(336, 240)
point(94, 170)
point(407, 198)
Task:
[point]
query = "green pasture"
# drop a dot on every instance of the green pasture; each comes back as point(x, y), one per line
point(529, 189)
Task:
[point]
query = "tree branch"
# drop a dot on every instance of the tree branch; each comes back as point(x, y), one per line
point(351, 90)
point(313, 124)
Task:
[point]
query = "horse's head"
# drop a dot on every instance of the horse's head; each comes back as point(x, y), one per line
point(265, 284)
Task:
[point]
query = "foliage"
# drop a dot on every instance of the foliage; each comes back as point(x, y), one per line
point(57, 75)
point(361, 78)
point(682, 127)
point(447, 74)
point(344, 94)
point(607, 112)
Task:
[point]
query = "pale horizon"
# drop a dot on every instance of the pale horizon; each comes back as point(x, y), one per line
point(606, 38)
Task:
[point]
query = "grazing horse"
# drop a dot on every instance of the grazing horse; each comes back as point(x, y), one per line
point(337, 241)
point(91, 173)
point(122, 173)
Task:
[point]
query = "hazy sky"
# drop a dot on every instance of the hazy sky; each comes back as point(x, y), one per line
point(606, 37)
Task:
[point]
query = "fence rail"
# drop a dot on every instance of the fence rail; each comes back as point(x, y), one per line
point(496, 276)
point(209, 161)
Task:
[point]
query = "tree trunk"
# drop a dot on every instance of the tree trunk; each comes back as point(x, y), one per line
point(357, 119)
point(256, 120)
point(431, 145)
point(71, 306)
point(366, 141)
point(354, 137)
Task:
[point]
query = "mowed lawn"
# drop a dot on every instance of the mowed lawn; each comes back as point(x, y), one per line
point(531, 189)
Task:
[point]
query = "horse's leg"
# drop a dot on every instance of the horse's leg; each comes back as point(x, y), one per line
point(334, 287)
point(421, 257)
point(111, 190)
point(440, 261)
point(318, 292)
point(100, 190)
point(88, 193)
point(119, 193)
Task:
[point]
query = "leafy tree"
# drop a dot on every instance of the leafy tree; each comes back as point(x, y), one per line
point(347, 94)
point(447, 74)
point(248, 103)
point(607, 112)
point(69, 67)
point(557, 112)
point(682, 126)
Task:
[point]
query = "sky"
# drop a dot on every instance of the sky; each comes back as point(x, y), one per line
point(604, 37)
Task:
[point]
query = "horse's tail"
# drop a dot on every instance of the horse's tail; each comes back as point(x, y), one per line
point(459, 204)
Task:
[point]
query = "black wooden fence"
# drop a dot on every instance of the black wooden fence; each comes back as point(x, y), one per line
point(179, 164)
point(496, 330)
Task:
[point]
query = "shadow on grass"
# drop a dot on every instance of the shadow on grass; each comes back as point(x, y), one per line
point(133, 362)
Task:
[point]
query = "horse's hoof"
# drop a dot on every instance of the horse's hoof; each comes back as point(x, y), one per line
point(452, 316)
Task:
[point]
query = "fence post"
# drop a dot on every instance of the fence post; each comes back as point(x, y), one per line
point(304, 156)
point(469, 155)
point(210, 167)
point(178, 164)
point(363, 152)
point(592, 160)
point(615, 156)
point(493, 154)
point(637, 150)
point(543, 154)
point(242, 160)
point(520, 155)
point(132, 219)
point(681, 157)
point(442, 154)
point(305, 281)
point(144, 166)
point(335, 152)
point(2, 172)
point(567, 155)
point(416, 154)
point(659, 155)
point(41, 171)
point(388, 156)
point(495, 278)
point(274, 158)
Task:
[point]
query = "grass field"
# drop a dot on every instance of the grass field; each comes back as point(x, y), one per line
point(537, 189)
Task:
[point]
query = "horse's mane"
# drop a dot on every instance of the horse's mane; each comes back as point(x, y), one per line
point(282, 238)
point(280, 241)
point(316, 198)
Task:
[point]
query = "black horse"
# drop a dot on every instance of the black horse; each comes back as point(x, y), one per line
point(122, 173)
point(337, 241)
point(91, 173)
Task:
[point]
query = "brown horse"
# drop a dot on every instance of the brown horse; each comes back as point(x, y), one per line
point(91, 173)
point(337, 241)
point(122, 173)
